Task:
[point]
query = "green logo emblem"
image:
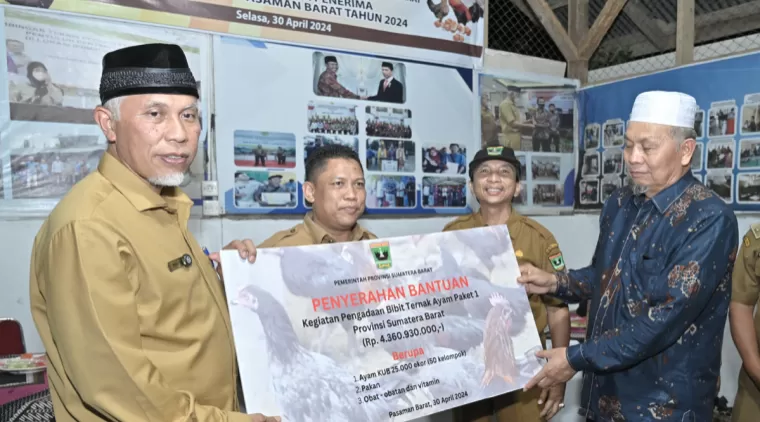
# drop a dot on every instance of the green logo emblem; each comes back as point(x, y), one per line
point(381, 252)
point(494, 150)
point(558, 263)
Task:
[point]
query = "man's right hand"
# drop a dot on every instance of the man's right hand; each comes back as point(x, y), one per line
point(258, 417)
point(537, 281)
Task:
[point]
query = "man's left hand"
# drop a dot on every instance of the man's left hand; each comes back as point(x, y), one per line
point(245, 248)
point(556, 371)
point(553, 399)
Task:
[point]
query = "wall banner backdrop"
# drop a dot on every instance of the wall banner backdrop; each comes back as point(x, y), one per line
point(276, 103)
point(438, 31)
point(727, 159)
point(48, 90)
point(535, 116)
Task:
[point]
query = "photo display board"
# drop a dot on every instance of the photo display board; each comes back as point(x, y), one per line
point(48, 137)
point(395, 114)
point(535, 116)
point(727, 158)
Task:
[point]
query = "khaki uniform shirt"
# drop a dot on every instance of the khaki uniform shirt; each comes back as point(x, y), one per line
point(532, 243)
point(310, 233)
point(746, 290)
point(127, 338)
point(508, 116)
point(489, 129)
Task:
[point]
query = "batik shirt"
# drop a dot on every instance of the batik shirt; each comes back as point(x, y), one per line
point(659, 284)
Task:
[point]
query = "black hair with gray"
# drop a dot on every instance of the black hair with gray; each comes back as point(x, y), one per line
point(318, 159)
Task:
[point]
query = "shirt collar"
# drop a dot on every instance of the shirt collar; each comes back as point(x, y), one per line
point(512, 222)
point(665, 198)
point(319, 235)
point(138, 192)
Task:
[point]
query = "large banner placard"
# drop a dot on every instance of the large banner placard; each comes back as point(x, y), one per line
point(449, 31)
point(381, 330)
point(49, 86)
point(292, 100)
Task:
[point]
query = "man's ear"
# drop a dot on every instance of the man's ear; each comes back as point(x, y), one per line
point(688, 147)
point(308, 192)
point(518, 189)
point(104, 119)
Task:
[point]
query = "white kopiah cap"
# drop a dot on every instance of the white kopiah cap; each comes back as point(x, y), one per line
point(665, 108)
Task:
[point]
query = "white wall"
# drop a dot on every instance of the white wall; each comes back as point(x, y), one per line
point(576, 235)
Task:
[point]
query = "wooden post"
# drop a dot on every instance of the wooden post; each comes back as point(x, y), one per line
point(485, 27)
point(577, 28)
point(685, 32)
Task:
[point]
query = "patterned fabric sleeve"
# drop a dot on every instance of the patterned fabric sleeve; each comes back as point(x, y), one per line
point(687, 281)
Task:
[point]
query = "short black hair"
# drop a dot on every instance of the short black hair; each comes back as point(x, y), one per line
point(318, 158)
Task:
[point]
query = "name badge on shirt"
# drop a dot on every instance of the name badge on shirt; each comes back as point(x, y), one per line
point(184, 261)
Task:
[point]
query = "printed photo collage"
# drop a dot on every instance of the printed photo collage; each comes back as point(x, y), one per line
point(538, 123)
point(50, 141)
point(736, 178)
point(373, 119)
point(724, 127)
point(602, 167)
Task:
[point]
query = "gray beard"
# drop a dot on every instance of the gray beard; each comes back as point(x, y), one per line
point(169, 180)
point(639, 189)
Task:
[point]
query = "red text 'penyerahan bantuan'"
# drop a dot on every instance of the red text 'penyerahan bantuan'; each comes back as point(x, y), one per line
point(349, 300)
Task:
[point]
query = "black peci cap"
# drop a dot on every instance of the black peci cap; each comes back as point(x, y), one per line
point(500, 153)
point(146, 69)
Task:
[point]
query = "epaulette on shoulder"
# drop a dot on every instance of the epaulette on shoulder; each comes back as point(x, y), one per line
point(756, 230)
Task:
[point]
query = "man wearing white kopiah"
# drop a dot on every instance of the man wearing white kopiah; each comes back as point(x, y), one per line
point(659, 281)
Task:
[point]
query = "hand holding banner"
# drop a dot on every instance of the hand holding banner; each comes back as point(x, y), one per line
point(380, 330)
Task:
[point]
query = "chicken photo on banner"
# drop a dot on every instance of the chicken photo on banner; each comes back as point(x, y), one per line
point(456, 16)
point(382, 330)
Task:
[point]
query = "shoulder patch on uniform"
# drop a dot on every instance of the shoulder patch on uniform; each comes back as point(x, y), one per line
point(756, 230)
point(557, 261)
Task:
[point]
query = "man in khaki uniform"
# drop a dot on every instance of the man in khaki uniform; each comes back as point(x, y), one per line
point(510, 120)
point(130, 310)
point(489, 129)
point(745, 326)
point(494, 180)
point(334, 186)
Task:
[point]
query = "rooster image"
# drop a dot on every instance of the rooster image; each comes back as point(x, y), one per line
point(309, 386)
point(310, 274)
point(498, 350)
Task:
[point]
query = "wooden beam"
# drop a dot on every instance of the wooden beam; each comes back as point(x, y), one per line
point(556, 4)
point(577, 28)
point(709, 26)
point(554, 27)
point(577, 20)
point(601, 25)
point(646, 24)
point(578, 69)
point(685, 32)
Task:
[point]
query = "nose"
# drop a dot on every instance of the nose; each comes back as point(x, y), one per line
point(634, 155)
point(350, 193)
point(493, 177)
point(175, 130)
